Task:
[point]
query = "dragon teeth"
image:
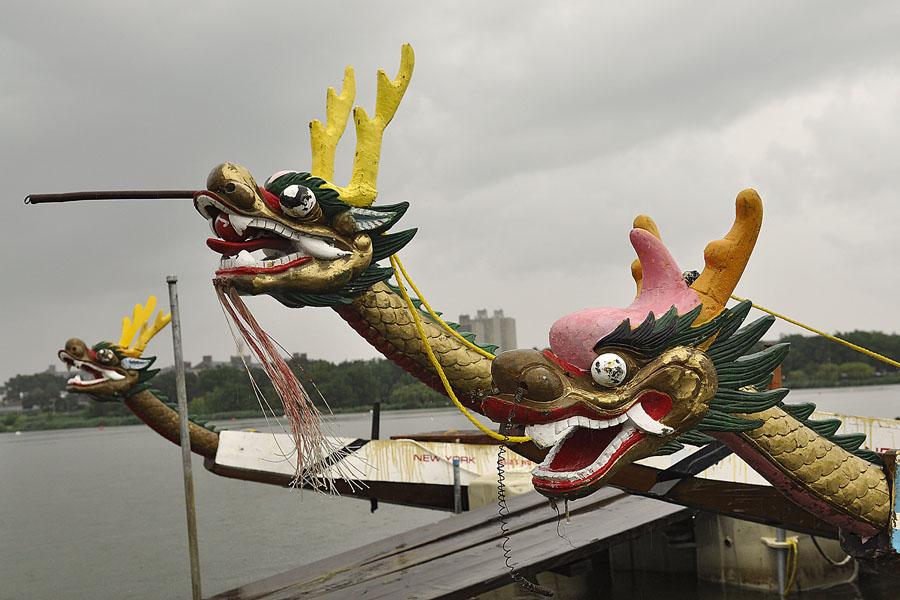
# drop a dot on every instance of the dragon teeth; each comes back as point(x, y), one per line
point(645, 422)
point(321, 249)
point(543, 435)
point(548, 434)
point(239, 223)
point(267, 263)
point(244, 259)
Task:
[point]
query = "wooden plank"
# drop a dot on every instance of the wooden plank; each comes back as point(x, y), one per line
point(461, 555)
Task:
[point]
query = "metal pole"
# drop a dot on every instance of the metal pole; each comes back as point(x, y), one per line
point(457, 488)
point(376, 431)
point(781, 536)
point(181, 392)
point(110, 195)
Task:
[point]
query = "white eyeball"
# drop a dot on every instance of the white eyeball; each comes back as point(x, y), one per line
point(609, 370)
point(297, 200)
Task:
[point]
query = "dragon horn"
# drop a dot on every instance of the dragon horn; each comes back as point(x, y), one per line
point(139, 325)
point(726, 258)
point(637, 272)
point(361, 190)
point(324, 138)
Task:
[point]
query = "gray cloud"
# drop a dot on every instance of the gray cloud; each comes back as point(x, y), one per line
point(530, 137)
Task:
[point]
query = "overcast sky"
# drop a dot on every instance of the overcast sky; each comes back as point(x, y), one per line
point(530, 136)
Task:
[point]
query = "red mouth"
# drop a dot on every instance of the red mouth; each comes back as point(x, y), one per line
point(583, 458)
point(585, 444)
point(249, 245)
point(87, 374)
point(230, 242)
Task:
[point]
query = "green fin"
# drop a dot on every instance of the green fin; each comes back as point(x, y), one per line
point(670, 447)
point(826, 427)
point(695, 438)
point(385, 245)
point(801, 412)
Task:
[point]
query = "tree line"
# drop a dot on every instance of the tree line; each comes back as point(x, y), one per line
point(814, 361)
point(223, 389)
point(353, 385)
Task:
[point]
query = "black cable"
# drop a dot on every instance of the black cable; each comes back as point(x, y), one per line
point(832, 562)
point(503, 512)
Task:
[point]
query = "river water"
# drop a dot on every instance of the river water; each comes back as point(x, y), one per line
point(93, 513)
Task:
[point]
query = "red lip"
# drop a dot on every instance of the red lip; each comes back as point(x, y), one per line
point(260, 270)
point(505, 411)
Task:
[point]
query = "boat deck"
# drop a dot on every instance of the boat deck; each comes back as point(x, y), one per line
point(461, 556)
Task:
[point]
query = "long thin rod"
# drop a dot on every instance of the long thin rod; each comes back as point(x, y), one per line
point(376, 433)
point(110, 195)
point(181, 392)
point(781, 536)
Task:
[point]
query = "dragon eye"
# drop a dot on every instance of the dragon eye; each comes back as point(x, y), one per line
point(609, 370)
point(106, 356)
point(297, 200)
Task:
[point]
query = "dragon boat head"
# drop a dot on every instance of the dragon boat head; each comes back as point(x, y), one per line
point(621, 384)
point(110, 372)
point(298, 237)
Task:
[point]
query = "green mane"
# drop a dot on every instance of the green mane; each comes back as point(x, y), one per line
point(383, 244)
point(744, 378)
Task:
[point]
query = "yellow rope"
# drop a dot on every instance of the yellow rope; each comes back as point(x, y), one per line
point(436, 317)
point(827, 336)
point(440, 371)
point(794, 553)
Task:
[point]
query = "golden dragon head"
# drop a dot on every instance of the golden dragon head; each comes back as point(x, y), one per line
point(621, 384)
point(299, 237)
point(110, 371)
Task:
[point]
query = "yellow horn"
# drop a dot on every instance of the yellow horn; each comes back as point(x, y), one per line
point(726, 258)
point(361, 190)
point(324, 138)
point(139, 325)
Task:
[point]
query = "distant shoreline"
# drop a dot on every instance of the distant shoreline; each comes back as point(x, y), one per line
point(13, 422)
point(54, 421)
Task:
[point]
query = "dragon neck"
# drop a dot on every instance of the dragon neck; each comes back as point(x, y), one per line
point(381, 317)
point(164, 420)
point(814, 472)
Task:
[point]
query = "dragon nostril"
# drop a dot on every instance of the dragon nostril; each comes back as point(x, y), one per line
point(230, 187)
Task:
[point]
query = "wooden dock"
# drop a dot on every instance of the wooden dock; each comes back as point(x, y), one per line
point(461, 556)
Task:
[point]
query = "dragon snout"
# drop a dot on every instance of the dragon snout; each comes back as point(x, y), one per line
point(234, 184)
point(526, 374)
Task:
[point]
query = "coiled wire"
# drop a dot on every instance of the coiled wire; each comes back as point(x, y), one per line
point(503, 512)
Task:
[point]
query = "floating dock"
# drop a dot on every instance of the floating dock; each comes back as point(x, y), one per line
point(461, 557)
